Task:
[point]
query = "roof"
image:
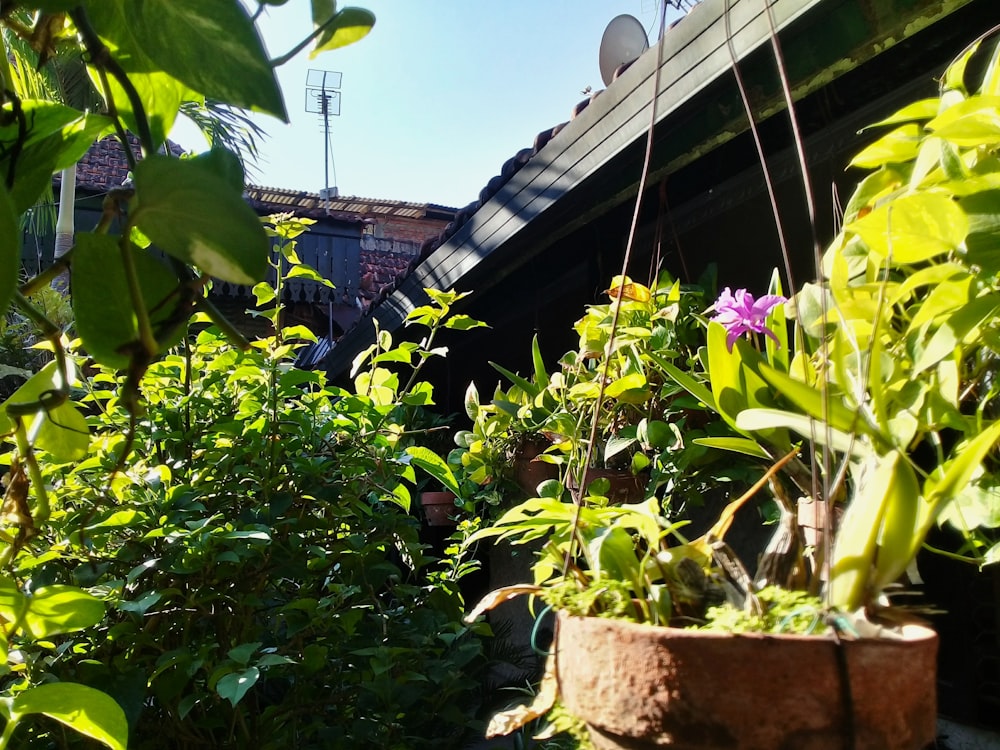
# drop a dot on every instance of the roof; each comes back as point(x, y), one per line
point(104, 167)
point(314, 205)
point(591, 164)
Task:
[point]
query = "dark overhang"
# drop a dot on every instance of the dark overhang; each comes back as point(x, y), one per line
point(593, 165)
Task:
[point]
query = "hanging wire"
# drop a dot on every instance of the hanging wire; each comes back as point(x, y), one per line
point(581, 485)
point(333, 162)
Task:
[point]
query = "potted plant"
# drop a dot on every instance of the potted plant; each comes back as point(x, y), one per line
point(880, 408)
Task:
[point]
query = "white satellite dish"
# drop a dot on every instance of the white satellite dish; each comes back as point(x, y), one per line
point(623, 41)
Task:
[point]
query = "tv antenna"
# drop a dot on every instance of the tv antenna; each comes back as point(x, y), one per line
point(623, 41)
point(323, 99)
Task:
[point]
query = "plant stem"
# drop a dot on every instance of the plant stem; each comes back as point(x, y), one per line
point(279, 61)
point(146, 337)
point(102, 59)
point(42, 508)
point(8, 732)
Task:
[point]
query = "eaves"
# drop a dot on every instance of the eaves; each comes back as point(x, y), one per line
point(591, 165)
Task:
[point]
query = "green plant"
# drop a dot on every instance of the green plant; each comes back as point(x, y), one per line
point(264, 577)
point(895, 352)
point(644, 422)
point(129, 308)
point(887, 388)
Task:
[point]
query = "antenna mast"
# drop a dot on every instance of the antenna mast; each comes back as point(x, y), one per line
point(323, 99)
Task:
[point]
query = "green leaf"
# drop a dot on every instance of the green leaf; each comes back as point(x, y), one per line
point(223, 163)
point(45, 380)
point(434, 465)
point(264, 293)
point(811, 401)
point(525, 385)
point(924, 109)
point(235, 685)
point(302, 271)
point(56, 137)
point(971, 122)
point(737, 445)
point(471, 402)
point(159, 93)
point(612, 555)
point(102, 304)
point(656, 433)
point(83, 709)
point(346, 27)
point(955, 329)
point(975, 506)
point(182, 36)
point(897, 147)
point(196, 216)
point(948, 481)
point(63, 430)
point(50, 610)
point(686, 381)
point(913, 228)
point(854, 554)
point(241, 654)
point(463, 323)
point(737, 385)
point(756, 420)
point(64, 433)
point(10, 259)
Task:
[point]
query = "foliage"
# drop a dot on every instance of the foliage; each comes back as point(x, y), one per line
point(889, 376)
point(892, 370)
point(782, 611)
point(265, 581)
point(646, 423)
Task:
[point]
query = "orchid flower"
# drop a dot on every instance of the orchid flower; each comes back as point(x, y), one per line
point(740, 313)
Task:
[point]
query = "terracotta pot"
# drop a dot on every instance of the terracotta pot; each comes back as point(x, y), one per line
point(438, 506)
point(644, 687)
point(626, 487)
point(529, 472)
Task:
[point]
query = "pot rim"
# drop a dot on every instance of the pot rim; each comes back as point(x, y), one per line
point(908, 631)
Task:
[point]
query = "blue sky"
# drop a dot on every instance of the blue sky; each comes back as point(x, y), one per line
point(438, 96)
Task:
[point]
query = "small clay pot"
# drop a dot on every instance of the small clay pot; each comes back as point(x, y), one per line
point(438, 508)
point(626, 487)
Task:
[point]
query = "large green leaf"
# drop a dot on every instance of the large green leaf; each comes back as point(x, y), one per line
point(346, 27)
point(159, 92)
point(900, 145)
point(913, 228)
point(55, 137)
point(235, 685)
point(57, 424)
point(83, 709)
point(434, 465)
point(737, 445)
point(50, 610)
point(971, 122)
point(955, 328)
point(763, 420)
point(211, 46)
point(196, 215)
point(827, 407)
point(882, 482)
point(105, 318)
point(10, 258)
point(685, 380)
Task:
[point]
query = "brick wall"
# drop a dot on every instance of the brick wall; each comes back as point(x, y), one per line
point(410, 230)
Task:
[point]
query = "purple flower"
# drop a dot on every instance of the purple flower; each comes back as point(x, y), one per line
point(740, 313)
